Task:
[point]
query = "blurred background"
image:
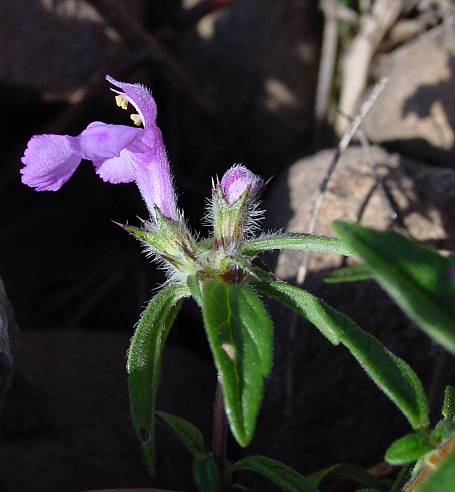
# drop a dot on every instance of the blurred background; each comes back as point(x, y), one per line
point(272, 84)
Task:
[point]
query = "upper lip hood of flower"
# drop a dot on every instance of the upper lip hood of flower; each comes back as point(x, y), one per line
point(120, 154)
point(140, 97)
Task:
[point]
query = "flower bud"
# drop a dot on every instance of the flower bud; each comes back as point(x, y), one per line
point(233, 207)
point(236, 181)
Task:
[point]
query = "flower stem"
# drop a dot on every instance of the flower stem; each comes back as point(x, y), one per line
point(219, 437)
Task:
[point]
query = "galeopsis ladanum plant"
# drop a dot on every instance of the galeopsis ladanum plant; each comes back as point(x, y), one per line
point(224, 276)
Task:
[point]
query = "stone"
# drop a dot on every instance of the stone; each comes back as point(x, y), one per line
point(66, 423)
point(56, 47)
point(421, 195)
point(320, 408)
point(259, 59)
point(9, 342)
point(415, 113)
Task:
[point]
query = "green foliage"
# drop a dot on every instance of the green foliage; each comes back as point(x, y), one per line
point(299, 241)
point(442, 431)
point(205, 473)
point(283, 476)
point(408, 448)
point(187, 433)
point(441, 480)
point(229, 221)
point(344, 470)
point(240, 336)
point(392, 375)
point(195, 289)
point(144, 358)
point(169, 239)
point(420, 280)
point(448, 407)
point(401, 479)
point(355, 273)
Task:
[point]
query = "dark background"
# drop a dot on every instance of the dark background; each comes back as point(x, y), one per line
point(235, 82)
point(63, 260)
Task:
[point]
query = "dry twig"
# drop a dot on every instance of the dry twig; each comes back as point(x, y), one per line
point(341, 147)
point(327, 63)
point(374, 25)
point(365, 143)
point(302, 271)
point(333, 13)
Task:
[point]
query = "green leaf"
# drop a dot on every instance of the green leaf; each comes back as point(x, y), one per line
point(282, 475)
point(187, 433)
point(441, 480)
point(192, 282)
point(355, 273)
point(448, 407)
point(144, 358)
point(344, 470)
point(418, 279)
point(401, 479)
point(299, 241)
point(443, 430)
point(240, 336)
point(408, 448)
point(205, 473)
point(367, 490)
point(391, 374)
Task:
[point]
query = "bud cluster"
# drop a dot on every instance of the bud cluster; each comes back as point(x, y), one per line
point(234, 207)
point(232, 215)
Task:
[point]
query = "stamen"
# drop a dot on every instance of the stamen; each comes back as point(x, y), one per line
point(136, 119)
point(121, 101)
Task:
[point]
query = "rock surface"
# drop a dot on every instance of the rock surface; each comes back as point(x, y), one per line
point(66, 423)
point(9, 342)
point(56, 47)
point(259, 58)
point(421, 195)
point(415, 113)
point(320, 407)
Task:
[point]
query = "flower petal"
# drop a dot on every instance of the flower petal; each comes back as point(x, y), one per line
point(235, 182)
point(140, 97)
point(117, 169)
point(152, 173)
point(49, 161)
point(102, 141)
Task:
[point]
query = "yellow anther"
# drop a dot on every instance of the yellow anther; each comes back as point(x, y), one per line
point(121, 101)
point(136, 120)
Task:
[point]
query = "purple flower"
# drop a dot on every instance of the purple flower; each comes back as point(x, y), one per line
point(236, 181)
point(120, 154)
